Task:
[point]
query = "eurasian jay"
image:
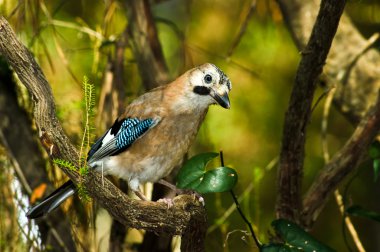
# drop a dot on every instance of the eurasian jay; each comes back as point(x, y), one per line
point(153, 134)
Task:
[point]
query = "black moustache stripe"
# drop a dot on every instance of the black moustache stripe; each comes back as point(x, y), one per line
point(201, 90)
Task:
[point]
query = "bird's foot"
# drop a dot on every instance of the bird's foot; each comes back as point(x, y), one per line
point(169, 202)
point(179, 191)
point(195, 194)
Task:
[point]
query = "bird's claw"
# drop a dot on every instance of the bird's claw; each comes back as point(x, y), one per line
point(169, 202)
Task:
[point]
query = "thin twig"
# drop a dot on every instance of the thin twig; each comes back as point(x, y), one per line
point(350, 226)
point(16, 165)
point(247, 190)
point(326, 157)
point(326, 111)
point(344, 198)
point(344, 74)
point(230, 210)
point(234, 231)
point(82, 29)
point(58, 46)
point(242, 30)
point(232, 62)
point(320, 99)
point(258, 243)
point(343, 162)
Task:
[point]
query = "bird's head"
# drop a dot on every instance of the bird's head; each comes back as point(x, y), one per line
point(210, 85)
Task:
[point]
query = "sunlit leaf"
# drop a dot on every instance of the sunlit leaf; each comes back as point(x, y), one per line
point(193, 170)
point(221, 179)
point(194, 176)
point(297, 237)
point(361, 212)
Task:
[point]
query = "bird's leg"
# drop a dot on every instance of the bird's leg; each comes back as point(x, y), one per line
point(169, 185)
point(167, 201)
point(179, 191)
point(140, 195)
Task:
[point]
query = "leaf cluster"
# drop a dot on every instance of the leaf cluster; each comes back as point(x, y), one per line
point(193, 175)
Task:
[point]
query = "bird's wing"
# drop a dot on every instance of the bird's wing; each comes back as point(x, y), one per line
point(119, 137)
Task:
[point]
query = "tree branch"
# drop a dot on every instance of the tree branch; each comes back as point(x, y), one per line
point(343, 162)
point(299, 110)
point(352, 98)
point(151, 216)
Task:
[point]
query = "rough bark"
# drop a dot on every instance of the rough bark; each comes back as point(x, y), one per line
point(151, 216)
point(298, 114)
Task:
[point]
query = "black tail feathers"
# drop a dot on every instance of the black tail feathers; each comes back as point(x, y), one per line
point(52, 201)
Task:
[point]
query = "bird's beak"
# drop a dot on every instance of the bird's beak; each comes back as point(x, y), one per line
point(221, 99)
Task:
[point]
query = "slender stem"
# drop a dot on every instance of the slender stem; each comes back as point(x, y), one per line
point(338, 197)
point(258, 243)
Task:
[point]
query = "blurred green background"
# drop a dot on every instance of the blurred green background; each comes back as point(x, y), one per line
point(72, 42)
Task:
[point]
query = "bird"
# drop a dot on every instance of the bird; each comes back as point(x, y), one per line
point(153, 134)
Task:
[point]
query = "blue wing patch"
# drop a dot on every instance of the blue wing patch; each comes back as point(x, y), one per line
point(131, 129)
point(119, 137)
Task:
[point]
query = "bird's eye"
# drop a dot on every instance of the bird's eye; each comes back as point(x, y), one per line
point(208, 78)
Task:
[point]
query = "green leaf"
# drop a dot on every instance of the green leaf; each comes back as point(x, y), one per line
point(194, 176)
point(376, 168)
point(221, 179)
point(192, 171)
point(361, 212)
point(297, 237)
point(374, 150)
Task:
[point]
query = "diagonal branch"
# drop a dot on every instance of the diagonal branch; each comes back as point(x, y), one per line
point(243, 28)
point(341, 164)
point(186, 218)
point(298, 114)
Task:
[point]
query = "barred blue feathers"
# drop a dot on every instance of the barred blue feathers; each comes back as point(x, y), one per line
point(119, 137)
point(131, 129)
